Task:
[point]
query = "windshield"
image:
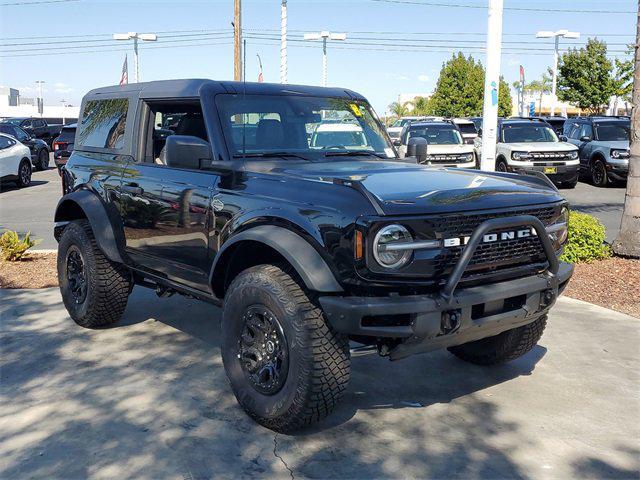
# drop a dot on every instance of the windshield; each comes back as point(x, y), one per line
point(300, 126)
point(613, 131)
point(14, 121)
point(528, 133)
point(467, 127)
point(437, 134)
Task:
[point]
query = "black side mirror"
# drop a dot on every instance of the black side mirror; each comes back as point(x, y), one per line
point(563, 138)
point(185, 151)
point(417, 147)
point(585, 138)
point(396, 142)
point(479, 132)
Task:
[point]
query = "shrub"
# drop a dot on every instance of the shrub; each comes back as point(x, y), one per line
point(586, 239)
point(13, 248)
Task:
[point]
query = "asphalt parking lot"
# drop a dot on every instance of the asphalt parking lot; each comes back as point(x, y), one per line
point(32, 209)
point(149, 398)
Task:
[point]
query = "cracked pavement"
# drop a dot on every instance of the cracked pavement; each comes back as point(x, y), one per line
point(148, 398)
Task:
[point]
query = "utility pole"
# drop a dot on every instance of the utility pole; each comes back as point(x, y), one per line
point(556, 55)
point(40, 99)
point(628, 241)
point(145, 37)
point(283, 42)
point(324, 36)
point(491, 85)
point(237, 40)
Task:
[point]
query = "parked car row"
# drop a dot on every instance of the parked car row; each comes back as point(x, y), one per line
point(595, 148)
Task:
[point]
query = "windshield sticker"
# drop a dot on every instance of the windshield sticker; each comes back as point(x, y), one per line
point(355, 109)
point(389, 152)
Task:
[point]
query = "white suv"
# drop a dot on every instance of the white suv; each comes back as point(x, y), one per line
point(445, 145)
point(15, 161)
point(396, 128)
point(529, 144)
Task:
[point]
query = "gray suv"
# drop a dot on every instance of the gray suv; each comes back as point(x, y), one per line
point(603, 144)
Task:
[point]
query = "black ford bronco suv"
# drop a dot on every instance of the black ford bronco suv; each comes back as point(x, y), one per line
point(215, 191)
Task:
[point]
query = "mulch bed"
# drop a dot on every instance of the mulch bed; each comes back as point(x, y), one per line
point(612, 283)
point(35, 270)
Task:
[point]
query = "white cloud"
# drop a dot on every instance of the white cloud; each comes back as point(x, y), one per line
point(62, 88)
point(423, 78)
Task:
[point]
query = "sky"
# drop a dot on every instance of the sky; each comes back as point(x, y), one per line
point(392, 46)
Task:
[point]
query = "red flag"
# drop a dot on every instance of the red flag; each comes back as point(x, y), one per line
point(260, 77)
point(521, 75)
point(124, 78)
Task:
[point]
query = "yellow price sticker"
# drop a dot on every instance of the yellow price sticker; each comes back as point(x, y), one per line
point(355, 109)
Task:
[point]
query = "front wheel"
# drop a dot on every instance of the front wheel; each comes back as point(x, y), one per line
point(501, 166)
point(287, 367)
point(94, 289)
point(503, 347)
point(599, 175)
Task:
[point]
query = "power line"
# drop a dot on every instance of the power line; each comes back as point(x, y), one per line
point(37, 2)
point(519, 9)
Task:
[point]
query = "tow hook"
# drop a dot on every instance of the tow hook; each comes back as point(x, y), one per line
point(450, 321)
point(547, 298)
point(385, 345)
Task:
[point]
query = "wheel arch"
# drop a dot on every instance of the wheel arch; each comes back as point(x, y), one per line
point(86, 204)
point(271, 244)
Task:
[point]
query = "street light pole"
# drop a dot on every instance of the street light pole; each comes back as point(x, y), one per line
point(491, 86)
point(39, 83)
point(145, 37)
point(556, 55)
point(324, 36)
point(283, 42)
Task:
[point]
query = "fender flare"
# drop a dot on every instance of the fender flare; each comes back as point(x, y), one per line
point(300, 254)
point(107, 235)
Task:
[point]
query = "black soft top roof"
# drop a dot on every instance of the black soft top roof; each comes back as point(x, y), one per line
point(192, 87)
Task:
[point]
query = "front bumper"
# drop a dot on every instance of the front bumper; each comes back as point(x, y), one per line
point(449, 317)
point(563, 173)
point(617, 171)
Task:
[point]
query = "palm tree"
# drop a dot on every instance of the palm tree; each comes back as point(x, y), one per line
point(541, 86)
point(421, 106)
point(628, 241)
point(400, 109)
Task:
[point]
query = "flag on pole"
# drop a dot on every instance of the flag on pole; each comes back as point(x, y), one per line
point(521, 75)
point(124, 78)
point(260, 77)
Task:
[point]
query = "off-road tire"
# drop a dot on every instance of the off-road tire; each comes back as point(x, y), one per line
point(599, 176)
point(502, 166)
point(569, 185)
point(318, 357)
point(108, 283)
point(504, 347)
point(43, 160)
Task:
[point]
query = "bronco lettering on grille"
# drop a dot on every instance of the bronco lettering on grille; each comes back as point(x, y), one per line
point(491, 237)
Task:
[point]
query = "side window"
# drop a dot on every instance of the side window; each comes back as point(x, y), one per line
point(20, 134)
point(27, 124)
point(103, 123)
point(172, 118)
point(586, 131)
point(6, 129)
point(39, 123)
point(5, 142)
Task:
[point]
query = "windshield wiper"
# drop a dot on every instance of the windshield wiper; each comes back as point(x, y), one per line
point(269, 155)
point(349, 153)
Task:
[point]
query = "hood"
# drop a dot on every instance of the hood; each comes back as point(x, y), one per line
point(438, 149)
point(541, 146)
point(622, 145)
point(409, 189)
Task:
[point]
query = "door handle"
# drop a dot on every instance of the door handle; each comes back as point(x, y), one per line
point(133, 188)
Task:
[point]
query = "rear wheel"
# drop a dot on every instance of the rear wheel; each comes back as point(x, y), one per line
point(286, 365)
point(503, 347)
point(599, 175)
point(24, 174)
point(43, 159)
point(94, 289)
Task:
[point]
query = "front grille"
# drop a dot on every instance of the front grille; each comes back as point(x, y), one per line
point(489, 257)
point(448, 158)
point(550, 155)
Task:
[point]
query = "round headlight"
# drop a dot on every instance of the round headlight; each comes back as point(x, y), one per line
point(559, 230)
point(384, 251)
point(573, 155)
point(615, 153)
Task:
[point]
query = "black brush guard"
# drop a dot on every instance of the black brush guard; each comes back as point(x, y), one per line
point(454, 316)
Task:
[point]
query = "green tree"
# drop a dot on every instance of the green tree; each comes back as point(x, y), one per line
point(540, 87)
point(623, 79)
point(585, 76)
point(460, 89)
point(422, 106)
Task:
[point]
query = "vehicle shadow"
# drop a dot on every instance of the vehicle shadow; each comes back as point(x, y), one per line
point(11, 186)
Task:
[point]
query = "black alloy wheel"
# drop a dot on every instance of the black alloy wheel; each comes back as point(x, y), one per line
point(24, 174)
point(77, 275)
point(599, 174)
point(263, 350)
point(501, 166)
